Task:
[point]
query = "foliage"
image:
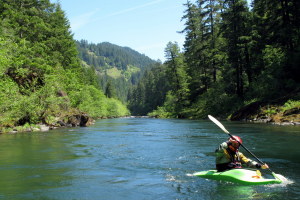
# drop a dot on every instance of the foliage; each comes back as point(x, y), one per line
point(231, 56)
point(150, 91)
point(178, 78)
point(115, 65)
point(110, 91)
point(109, 55)
point(41, 78)
point(94, 102)
point(168, 108)
point(266, 84)
point(290, 105)
point(214, 102)
point(115, 108)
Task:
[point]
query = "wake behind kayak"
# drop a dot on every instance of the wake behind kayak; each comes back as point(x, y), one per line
point(242, 176)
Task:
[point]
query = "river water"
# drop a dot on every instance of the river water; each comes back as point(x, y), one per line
point(137, 158)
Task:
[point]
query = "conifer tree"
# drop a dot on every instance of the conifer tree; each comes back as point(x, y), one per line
point(235, 30)
point(110, 90)
point(178, 76)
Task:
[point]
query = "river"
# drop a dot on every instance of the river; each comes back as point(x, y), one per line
point(138, 158)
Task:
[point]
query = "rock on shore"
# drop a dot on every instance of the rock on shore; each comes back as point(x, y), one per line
point(268, 112)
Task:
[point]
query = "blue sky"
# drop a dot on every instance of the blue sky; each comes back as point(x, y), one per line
point(143, 25)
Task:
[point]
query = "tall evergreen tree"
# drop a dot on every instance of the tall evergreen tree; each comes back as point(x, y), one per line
point(150, 91)
point(110, 90)
point(280, 20)
point(194, 45)
point(177, 76)
point(235, 30)
point(202, 45)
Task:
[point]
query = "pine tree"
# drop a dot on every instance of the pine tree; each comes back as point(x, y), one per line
point(280, 20)
point(110, 90)
point(203, 44)
point(177, 75)
point(235, 30)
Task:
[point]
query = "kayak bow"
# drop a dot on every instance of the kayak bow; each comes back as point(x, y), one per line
point(242, 176)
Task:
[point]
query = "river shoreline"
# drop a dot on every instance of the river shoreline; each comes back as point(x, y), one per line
point(78, 119)
point(270, 121)
point(283, 111)
point(84, 121)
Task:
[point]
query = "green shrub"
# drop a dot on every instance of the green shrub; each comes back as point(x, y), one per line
point(290, 104)
point(168, 110)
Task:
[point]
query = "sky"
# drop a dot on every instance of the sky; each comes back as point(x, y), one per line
point(143, 25)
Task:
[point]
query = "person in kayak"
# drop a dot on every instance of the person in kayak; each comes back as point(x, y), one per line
point(229, 157)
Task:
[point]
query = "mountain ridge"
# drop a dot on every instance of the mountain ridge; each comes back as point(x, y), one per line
point(117, 67)
point(106, 54)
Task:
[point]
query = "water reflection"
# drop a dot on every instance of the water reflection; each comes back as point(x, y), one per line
point(139, 159)
point(33, 161)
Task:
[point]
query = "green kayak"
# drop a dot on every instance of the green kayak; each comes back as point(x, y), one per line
point(242, 176)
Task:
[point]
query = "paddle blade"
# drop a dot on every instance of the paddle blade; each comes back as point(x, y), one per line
point(280, 177)
point(214, 120)
point(284, 181)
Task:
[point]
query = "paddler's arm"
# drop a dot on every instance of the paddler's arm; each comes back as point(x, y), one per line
point(221, 147)
point(251, 163)
point(265, 166)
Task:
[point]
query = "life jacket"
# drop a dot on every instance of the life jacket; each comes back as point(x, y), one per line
point(232, 160)
point(227, 159)
point(235, 159)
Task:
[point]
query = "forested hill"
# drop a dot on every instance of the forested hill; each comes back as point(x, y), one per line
point(118, 68)
point(107, 55)
point(233, 56)
point(41, 78)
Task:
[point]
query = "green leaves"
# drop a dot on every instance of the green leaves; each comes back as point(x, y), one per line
point(41, 78)
point(232, 55)
point(93, 101)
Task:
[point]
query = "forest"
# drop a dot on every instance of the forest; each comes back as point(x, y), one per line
point(117, 68)
point(42, 78)
point(234, 55)
point(236, 58)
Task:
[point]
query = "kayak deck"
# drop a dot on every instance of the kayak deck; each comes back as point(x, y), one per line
point(242, 176)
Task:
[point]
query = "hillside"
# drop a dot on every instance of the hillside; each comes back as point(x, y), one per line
point(121, 67)
point(41, 78)
point(106, 55)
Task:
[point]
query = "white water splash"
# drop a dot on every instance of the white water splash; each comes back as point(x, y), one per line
point(285, 181)
point(190, 175)
point(170, 178)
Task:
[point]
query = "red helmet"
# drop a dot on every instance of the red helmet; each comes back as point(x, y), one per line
point(235, 142)
point(235, 139)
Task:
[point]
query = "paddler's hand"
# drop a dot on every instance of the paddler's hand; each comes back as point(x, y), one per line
point(265, 166)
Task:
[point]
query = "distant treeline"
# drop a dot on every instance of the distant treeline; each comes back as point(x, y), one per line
point(118, 68)
point(109, 55)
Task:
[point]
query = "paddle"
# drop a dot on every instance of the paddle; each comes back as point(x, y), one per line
point(224, 129)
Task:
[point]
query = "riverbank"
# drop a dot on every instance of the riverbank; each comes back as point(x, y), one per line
point(278, 112)
point(71, 119)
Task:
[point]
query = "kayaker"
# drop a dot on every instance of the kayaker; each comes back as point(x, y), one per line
point(229, 157)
